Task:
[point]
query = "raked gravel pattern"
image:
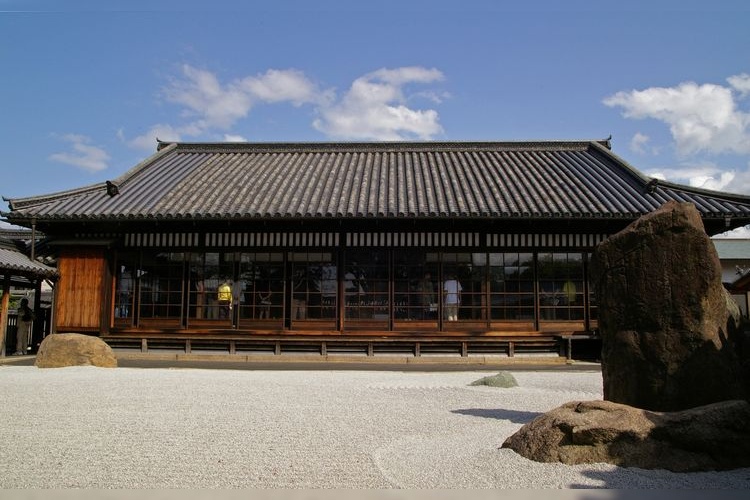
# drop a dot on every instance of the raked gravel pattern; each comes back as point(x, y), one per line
point(86, 427)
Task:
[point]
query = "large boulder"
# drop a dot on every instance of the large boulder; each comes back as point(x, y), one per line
point(667, 342)
point(73, 349)
point(712, 437)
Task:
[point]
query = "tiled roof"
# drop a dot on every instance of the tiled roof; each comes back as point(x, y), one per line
point(548, 179)
point(12, 261)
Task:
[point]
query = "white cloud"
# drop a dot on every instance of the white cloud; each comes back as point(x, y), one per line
point(217, 105)
point(234, 138)
point(717, 182)
point(282, 86)
point(147, 141)
point(741, 181)
point(374, 108)
point(407, 74)
point(84, 155)
point(214, 104)
point(638, 143)
point(208, 104)
point(701, 175)
point(436, 97)
point(740, 83)
point(700, 117)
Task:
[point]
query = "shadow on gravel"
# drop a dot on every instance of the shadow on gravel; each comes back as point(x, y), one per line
point(517, 417)
point(649, 485)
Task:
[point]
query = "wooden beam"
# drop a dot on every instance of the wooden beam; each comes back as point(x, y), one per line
point(4, 313)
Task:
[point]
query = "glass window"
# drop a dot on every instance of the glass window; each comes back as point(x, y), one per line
point(213, 294)
point(125, 285)
point(261, 286)
point(461, 290)
point(160, 293)
point(314, 283)
point(511, 282)
point(415, 286)
point(592, 308)
point(366, 285)
point(561, 286)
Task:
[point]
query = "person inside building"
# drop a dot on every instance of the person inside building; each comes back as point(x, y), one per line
point(452, 297)
point(224, 296)
point(299, 294)
point(23, 330)
point(427, 296)
point(264, 304)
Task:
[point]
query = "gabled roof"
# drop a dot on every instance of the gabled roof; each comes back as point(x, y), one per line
point(548, 179)
point(15, 263)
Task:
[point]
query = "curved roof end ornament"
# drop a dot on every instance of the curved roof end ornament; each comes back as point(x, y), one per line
point(112, 189)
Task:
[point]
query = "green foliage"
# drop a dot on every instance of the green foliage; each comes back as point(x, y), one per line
point(502, 379)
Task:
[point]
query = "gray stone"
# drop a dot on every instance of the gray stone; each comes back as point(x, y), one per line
point(711, 437)
point(73, 349)
point(667, 340)
point(502, 379)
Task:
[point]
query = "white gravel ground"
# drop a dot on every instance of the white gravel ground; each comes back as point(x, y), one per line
point(86, 427)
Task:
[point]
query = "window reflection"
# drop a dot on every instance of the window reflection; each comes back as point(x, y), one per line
point(212, 290)
point(160, 278)
point(261, 287)
point(279, 289)
point(416, 286)
point(366, 285)
point(561, 286)
point(125, 286)
point(511, 281)
point(314, 282)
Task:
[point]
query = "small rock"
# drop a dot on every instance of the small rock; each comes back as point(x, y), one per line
point(502, 379)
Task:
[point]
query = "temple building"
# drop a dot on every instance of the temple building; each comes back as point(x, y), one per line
point(471, 246)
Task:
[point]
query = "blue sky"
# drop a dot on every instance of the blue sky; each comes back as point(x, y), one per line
point(87, 86)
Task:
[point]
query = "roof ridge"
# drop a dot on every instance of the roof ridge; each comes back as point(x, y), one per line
point(16, 203)
point(645, 179)
point(30, 201)
point(385, 146)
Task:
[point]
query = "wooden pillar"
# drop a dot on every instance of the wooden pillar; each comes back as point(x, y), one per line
point(37, 332)
point(4, 313)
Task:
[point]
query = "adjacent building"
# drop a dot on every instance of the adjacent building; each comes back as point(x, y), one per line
point(734, 254)
point(27, 278)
